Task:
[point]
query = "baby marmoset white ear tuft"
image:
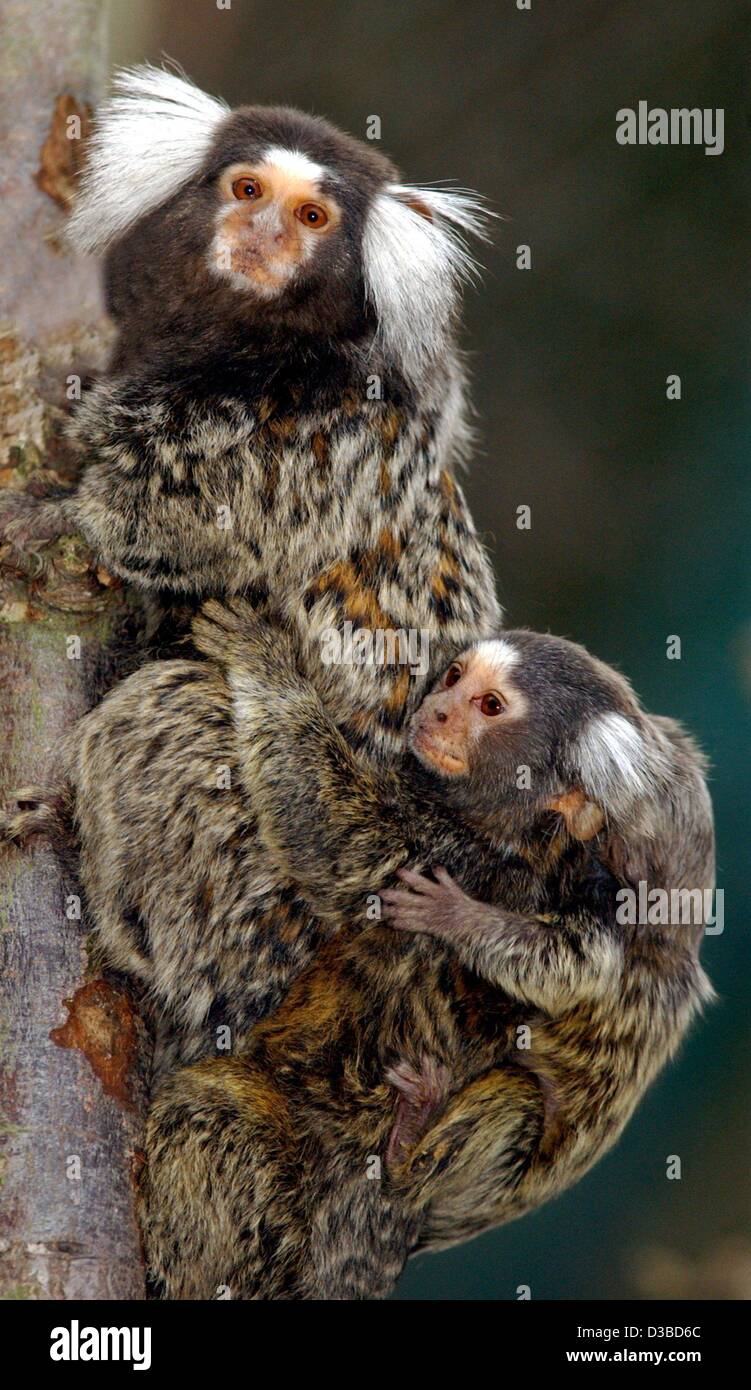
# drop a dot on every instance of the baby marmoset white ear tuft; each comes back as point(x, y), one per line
point(415, 257)
point(150, 137)
point(624, 768)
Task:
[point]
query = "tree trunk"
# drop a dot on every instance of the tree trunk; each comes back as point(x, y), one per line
point(73, 1048)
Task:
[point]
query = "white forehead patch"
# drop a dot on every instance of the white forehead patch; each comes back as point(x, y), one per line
point(496, 652)
point(150, 137)
point(613, 759)
point(413, 267)
point(294, 162)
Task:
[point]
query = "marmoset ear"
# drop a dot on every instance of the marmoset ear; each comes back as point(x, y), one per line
point(463, 211)
point(150, 137)
point(629, 768)
point(584, 819)
point(619, 768)
point(414, 259)
point(418, 205)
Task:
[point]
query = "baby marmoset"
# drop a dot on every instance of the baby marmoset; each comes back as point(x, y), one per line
point(276, 1144)
point(282, 417)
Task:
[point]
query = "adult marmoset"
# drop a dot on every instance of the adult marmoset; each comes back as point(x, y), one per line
point(285, 405)
point(491, 1048)
point(282, 417)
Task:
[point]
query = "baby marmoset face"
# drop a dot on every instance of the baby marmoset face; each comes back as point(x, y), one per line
point(529, 724)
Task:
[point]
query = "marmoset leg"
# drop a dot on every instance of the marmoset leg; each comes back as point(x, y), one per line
point(361, 1235)
point(422, 1095)
point(221, 1202)
point(235, 1203)
point(466, 1171)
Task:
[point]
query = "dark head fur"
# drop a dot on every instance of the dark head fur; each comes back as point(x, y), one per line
point(387, 277)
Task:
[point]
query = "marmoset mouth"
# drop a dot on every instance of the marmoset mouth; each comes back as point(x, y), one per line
point(248, 260)
point(435, 754)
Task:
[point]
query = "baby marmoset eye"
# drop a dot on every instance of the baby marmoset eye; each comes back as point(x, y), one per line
point(491, 705)
point(489, 702)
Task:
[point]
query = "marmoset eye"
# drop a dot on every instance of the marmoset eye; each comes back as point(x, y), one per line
point(453, 675)
point(491, 705)
point(312, 215)
point(247, 189)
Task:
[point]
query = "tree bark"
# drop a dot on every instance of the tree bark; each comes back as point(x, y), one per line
point(73, 1047)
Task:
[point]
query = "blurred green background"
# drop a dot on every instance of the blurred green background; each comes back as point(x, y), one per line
point(640, 505)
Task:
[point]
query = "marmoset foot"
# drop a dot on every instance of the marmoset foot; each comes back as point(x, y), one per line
point(422, 1097)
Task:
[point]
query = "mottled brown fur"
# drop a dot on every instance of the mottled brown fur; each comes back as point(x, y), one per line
point(260, 1172)
point(298, 1212)
point(240, 445)
point(236, 448)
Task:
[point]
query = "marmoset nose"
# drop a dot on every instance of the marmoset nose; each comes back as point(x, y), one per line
point(440, 716)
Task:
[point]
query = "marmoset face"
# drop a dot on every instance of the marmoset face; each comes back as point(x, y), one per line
point(529, 723)
point(474, 693)
point(275, 214)
point(264, 218)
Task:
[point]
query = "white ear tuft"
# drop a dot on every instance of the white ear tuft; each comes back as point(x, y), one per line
point(414, 262)
point(613, 761)
point(150, 137)
point(462, 210)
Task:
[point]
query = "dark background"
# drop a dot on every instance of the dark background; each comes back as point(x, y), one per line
point(640, 506)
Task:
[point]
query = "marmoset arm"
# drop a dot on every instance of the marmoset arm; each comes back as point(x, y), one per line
point(552, 965)
point(334, 825)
